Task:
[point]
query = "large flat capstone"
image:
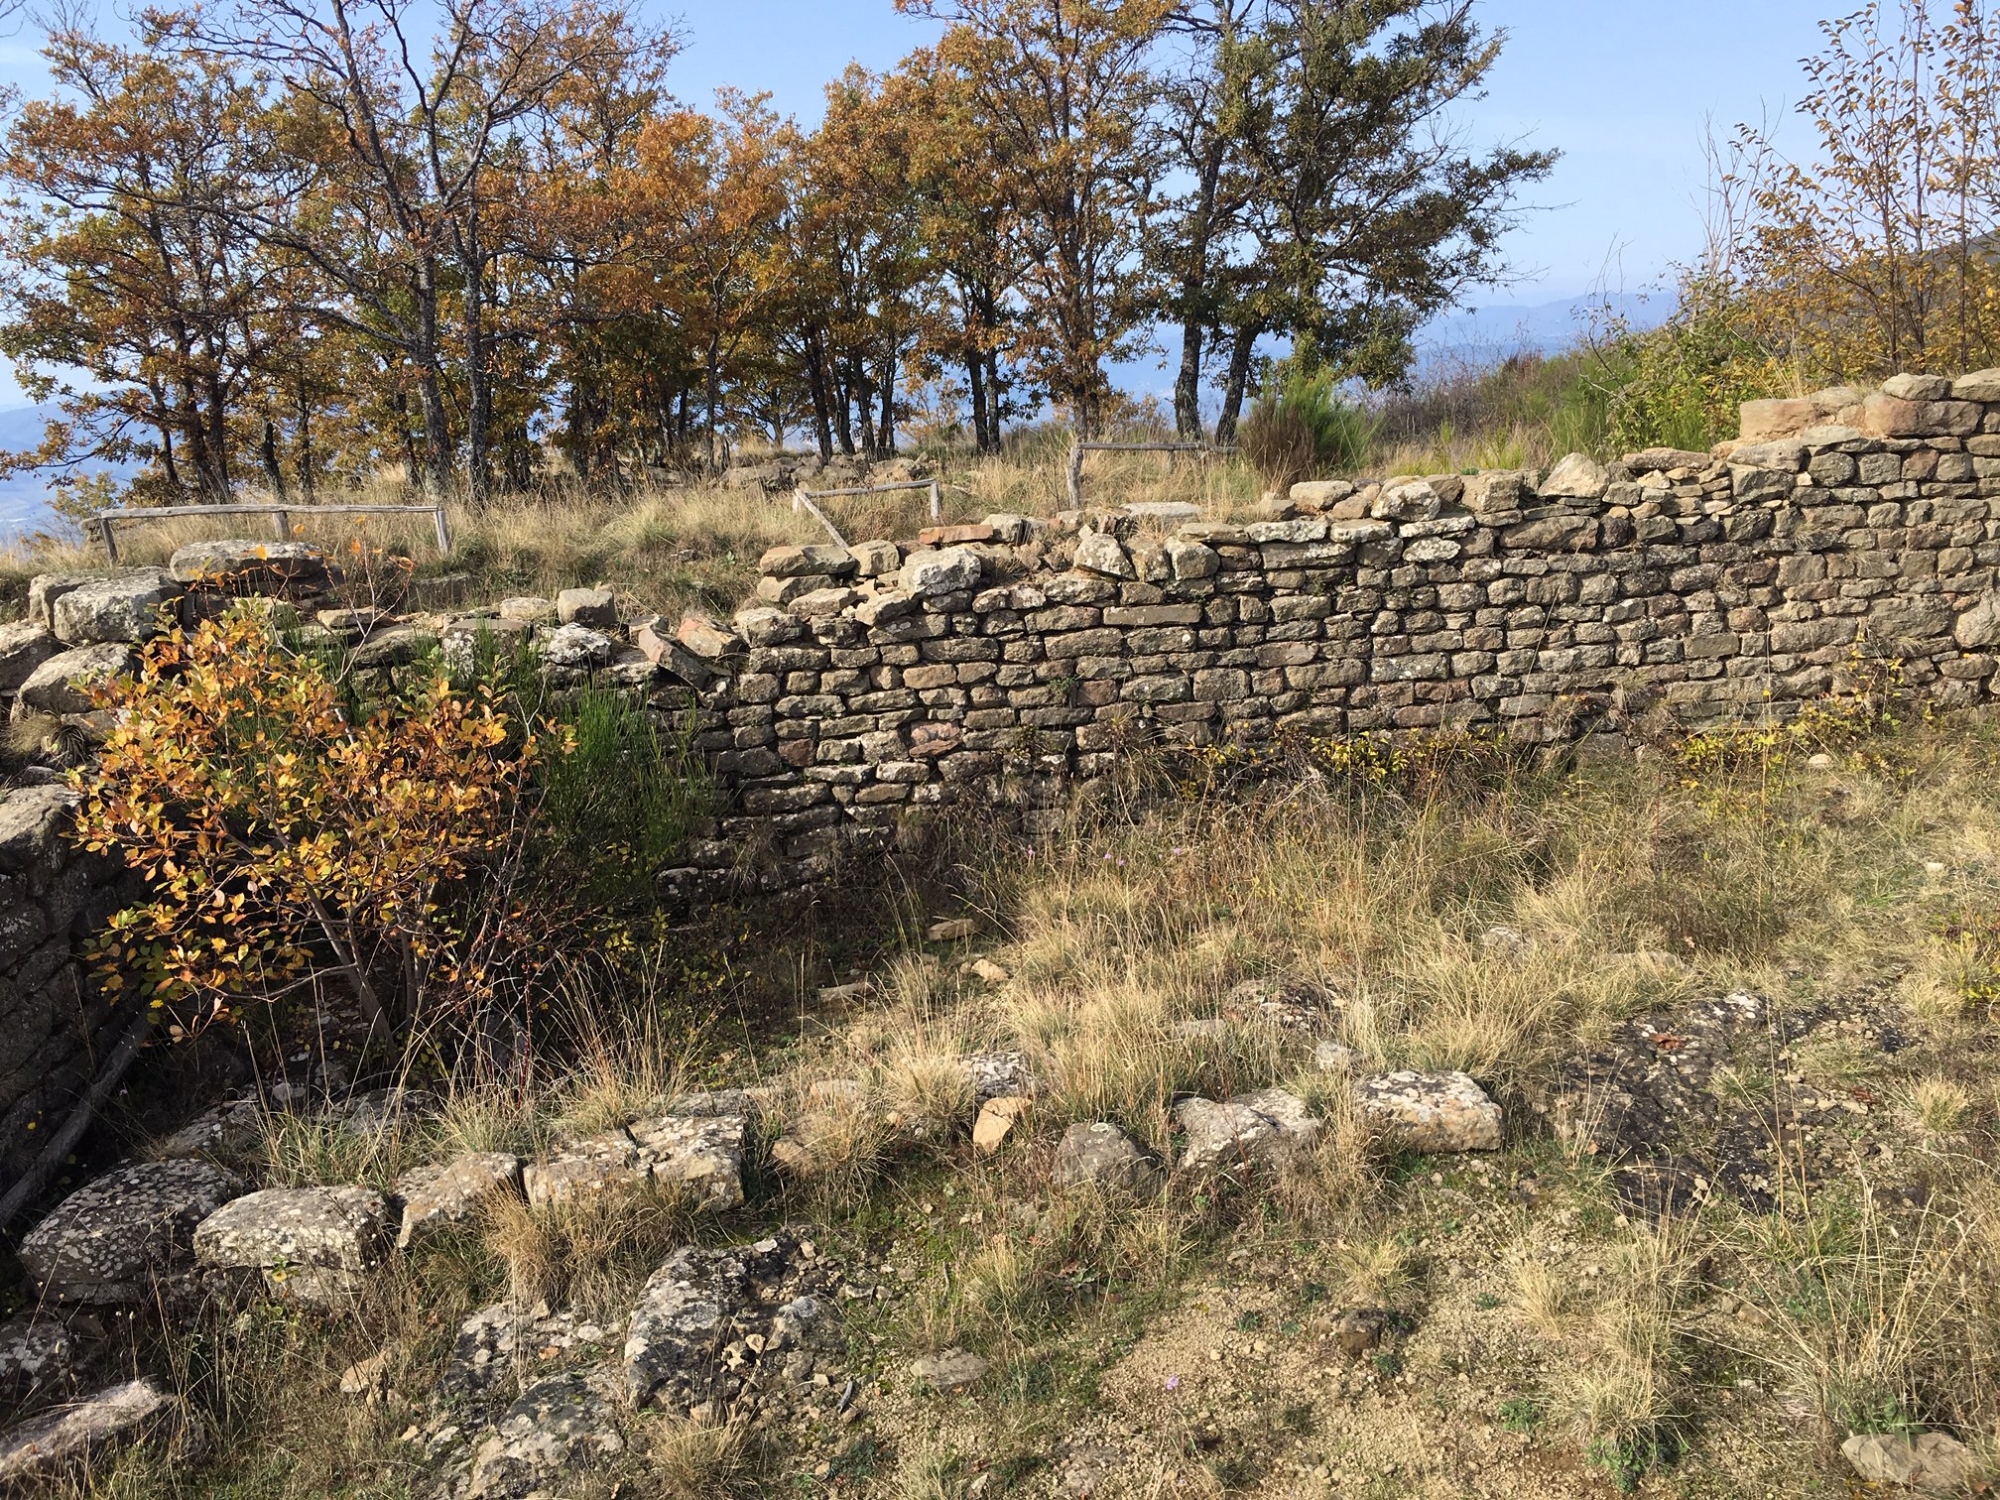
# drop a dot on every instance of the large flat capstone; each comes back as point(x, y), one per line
point(111, 1240)
point(125, 607)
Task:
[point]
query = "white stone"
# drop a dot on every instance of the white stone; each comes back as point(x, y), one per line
point(1257, 1129)
point(126, 607)
point(331, 1228)
point(1430, 1112)
point(111, 1240)
point(925, 575)
point(68, 1436)
point(64, 684)
point(1098, 553)
point(455, 1192)
point(1576, 477)
point(700, 1153)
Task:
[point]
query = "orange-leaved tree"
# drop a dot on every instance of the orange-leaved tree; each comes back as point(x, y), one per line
point(287, 841)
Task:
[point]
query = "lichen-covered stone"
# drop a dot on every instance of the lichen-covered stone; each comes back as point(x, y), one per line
point(594, 1165)
point(67, 1437)
point(559, 1428)
point(434, 1197)
point(1261, 1129)
point(111, 1240)
point(66, 683)
point(123, 607)
point(1430, 1112)
point(331, 1228)
point(701, 1155)
point(243, 566)
point(1100, 1155)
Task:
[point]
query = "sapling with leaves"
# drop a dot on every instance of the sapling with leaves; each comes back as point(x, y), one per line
point(288, 843)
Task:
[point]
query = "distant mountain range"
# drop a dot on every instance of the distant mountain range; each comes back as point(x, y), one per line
point(1487, 335)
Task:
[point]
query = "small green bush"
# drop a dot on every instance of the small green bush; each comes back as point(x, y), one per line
point(1304, 428)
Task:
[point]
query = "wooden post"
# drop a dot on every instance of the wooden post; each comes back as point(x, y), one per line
point(937, 504)
point(802, 501)
point(443, 532)
point(110, 546)
point(1076, 474)
point(281, 525)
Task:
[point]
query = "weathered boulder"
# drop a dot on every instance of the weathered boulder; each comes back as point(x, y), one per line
point(241, 566)
point(44, 589)
point(64, 684)
point(31, 823)
point(124, 607)
point(561, 1426)
point(1100, 1155)
point(702, 1154)
point(24, 646)
point(1260, 1129)
point(597, 608)
point(109, 1241)
point(68, 1437)
point(1935, 1461)
point(593, 1165)
point(1430, 1112)
point(312, 1243)
point(707, 638)
point(397, 646)
point(434, 1197)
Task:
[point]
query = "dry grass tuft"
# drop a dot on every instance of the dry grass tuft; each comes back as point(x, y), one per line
point(591, 1250)
point(705, 1460)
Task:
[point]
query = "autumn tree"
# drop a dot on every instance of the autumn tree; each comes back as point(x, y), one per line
point(136, 298)
point(1063, 85)
point(1874, 252)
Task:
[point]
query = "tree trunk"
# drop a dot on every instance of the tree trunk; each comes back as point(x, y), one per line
point(306, 479)
point(1242, 346)
point(816, 380)
point(272, 472)
point(1194, 296)
point(478, 373)
point(975, 380)
point(885, 435)
point(430, 385)
point(712, 394)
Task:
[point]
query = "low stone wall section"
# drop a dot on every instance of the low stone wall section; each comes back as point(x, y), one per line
point(1004, 663)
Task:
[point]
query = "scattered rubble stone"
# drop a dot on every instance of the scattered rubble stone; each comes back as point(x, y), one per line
point(110, 1241)
point(994, 1075)
point(1259, 1129)
point(586, 1166)
point(1101, 1155)
point(596, 608)
point(1430, 1112)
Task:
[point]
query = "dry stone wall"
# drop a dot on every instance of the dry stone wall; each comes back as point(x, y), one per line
point(1004, 663)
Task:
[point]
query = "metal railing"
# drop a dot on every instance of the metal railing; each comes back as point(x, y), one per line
point(1077, 450)
point(802, 499)
point(282, 514)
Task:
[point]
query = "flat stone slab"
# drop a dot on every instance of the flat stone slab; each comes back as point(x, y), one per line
point(587, 1166)
point(63, 684)
point(69, 1436)
point(124, 607)
point(953, 1370)
point(1103, 1156)
point(564, 1425)
point(597, 608)
point(243, 566)
point(1936, 1461)
point(1430, 1112)
point(109, 1241)
point(434, 1197)
point(707, 1315)
point(326, 1228)
point(700, 1153)
point(1251, 1130)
